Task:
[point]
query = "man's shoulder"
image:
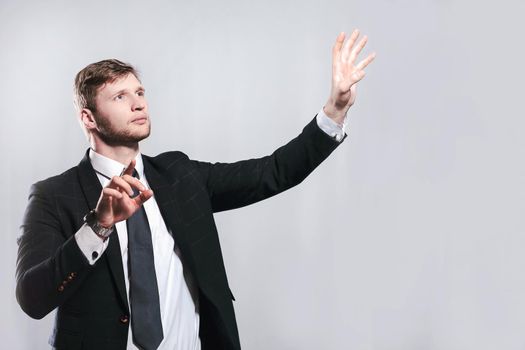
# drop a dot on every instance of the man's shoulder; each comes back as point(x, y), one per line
point(57, 183)
point(173, 164)
point(168, 160)
point(168, 156)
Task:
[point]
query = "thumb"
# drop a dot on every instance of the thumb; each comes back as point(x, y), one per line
point(353, 90)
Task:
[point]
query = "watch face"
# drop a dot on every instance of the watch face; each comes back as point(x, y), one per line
point(100, 230)
point(105, 231)
point(91, 220)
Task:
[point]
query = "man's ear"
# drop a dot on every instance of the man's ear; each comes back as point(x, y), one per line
point(87, 119)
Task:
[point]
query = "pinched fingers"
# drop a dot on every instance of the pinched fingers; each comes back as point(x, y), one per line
point(134, 182)
point(143, 196)
point(118, 183)
point(111, 192)
point(126, 184)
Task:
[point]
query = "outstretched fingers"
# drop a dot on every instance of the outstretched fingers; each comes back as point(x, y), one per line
point(356, 50)
point(365, 62)
point(336, 50)
point(347, 47)
point(357, 76)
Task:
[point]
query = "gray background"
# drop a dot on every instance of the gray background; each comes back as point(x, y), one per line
point(410, 236)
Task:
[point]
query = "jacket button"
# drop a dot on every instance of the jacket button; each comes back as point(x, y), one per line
point(70, 278)
point(61, 288)
point(124, 319)
point(73, 274)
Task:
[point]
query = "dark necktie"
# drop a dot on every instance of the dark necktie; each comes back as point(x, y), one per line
point(143, 291)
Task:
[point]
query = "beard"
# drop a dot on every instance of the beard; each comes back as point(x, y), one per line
point(114, 137)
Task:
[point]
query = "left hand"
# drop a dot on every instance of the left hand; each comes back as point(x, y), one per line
point(345, 75)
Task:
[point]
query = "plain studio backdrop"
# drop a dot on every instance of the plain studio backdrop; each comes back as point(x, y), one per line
point(410, 236)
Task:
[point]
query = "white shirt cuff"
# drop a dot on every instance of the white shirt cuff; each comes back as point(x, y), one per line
point(330, 127)
point(90, 244)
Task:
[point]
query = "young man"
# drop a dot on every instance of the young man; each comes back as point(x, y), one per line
point(125, 245)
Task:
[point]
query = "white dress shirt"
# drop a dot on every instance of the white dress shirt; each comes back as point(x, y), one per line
point(177, 293)
point(179, 311)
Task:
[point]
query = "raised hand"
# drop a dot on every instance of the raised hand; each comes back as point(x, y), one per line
point(116, 202)
point(345, 74)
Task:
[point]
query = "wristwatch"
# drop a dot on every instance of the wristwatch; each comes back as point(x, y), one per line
point(91, 220)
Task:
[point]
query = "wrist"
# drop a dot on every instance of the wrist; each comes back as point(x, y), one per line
point(101, 223)
point(102, 230)
point(337, 114)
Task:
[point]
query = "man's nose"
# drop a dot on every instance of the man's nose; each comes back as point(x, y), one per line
point(138, 104)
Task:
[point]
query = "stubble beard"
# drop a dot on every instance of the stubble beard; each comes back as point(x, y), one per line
point(113, 137)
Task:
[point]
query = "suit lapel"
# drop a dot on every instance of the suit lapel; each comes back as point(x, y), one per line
point(92, 188)
point(169, 206)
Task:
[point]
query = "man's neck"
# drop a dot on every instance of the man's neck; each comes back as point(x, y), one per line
point(122, 154)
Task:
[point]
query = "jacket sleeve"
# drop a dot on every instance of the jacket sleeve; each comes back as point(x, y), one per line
point(50, 265)
point(234, 185)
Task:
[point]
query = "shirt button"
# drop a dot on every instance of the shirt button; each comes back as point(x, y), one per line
point(124, 319)
point(94, 255)
point(60, 288)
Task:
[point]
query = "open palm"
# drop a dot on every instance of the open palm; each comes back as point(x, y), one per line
point(345, 74)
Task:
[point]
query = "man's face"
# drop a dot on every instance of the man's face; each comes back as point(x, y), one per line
point(122, 112)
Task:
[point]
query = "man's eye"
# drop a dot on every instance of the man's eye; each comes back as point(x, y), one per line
point(140, 93)
point(119, 97)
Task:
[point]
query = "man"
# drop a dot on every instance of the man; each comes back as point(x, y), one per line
point(125, 246)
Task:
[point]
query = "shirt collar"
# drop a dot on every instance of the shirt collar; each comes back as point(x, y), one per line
point(108, 167)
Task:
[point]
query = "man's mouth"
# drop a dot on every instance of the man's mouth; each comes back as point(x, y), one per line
point(140, 119)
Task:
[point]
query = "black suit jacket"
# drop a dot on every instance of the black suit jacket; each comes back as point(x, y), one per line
point(93, 312)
